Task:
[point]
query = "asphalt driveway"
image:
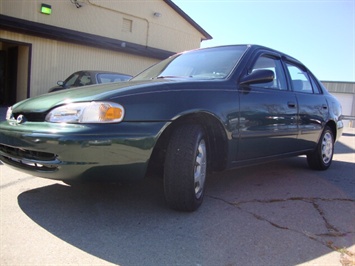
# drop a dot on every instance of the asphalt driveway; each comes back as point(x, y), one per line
point(281, 213)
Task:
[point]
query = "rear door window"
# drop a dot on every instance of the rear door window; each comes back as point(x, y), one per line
point(300, 79)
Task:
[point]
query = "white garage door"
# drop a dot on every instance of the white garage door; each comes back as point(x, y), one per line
point(347, 102)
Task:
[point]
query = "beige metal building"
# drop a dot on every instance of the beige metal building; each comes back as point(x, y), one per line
point(345, 92)
point(38, 49)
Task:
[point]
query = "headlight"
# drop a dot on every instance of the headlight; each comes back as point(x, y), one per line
point(87, 112)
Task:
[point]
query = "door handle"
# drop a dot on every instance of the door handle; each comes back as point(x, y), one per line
point(291, 104)
point(324, 106)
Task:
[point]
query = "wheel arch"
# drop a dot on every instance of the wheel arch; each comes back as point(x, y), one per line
point(217, 141)
point(332, 125)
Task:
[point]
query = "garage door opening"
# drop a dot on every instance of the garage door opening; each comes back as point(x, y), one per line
point(15, 68)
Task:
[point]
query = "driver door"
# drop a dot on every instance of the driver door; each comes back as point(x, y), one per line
point(268, 114)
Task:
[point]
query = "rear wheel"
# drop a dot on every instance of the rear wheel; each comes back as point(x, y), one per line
point(185, 168)
point(322, 157)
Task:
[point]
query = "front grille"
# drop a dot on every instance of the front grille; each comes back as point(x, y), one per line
point(28, 165)
point(29, 160)
point(26, 154)
point(32, 117)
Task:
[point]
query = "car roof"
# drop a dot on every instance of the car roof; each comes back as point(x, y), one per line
point(101, 72)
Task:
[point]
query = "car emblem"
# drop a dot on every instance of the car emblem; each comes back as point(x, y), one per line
point(20, 119)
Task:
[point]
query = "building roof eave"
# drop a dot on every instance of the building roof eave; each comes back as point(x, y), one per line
point(189, 19)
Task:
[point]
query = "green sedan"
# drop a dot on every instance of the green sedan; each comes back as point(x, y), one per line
point(198, 111)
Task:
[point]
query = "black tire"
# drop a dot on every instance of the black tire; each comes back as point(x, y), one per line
point(185, 168)
point(322, 157)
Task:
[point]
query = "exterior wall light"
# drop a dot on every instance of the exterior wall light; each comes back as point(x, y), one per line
point(46, 9)
point(157, 14)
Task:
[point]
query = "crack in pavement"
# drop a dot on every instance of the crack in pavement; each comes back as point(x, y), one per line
point(332, 230)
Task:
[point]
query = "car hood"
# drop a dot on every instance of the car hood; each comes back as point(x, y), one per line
point(101, 92)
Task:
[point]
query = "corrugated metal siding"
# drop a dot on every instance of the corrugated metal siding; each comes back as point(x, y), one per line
point(106, 18)
point(177, 38)
point(345, 87)
point(22, 72)
point(53, 60)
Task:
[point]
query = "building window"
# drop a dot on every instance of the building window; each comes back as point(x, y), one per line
point(127, 25)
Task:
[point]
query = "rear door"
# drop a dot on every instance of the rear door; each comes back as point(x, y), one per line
point(268, 114)
point(312, 105)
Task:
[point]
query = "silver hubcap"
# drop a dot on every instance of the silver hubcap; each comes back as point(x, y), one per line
point(327, 147)
point(200, 168)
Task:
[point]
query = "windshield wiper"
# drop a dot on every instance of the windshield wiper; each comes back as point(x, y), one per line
point(172, 77)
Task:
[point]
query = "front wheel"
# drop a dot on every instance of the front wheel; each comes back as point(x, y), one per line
point(322, 157)
point(185, 168)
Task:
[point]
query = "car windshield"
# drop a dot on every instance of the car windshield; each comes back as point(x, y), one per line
point(211, 63)
point(108, 77)
point(71, 80)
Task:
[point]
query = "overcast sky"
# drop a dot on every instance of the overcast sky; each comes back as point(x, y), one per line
point(319, 33)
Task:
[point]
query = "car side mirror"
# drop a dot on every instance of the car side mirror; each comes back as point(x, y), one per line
point(258, 76)
point(60, 83)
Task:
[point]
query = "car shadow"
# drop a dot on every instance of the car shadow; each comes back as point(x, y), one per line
point(341, 148)
point(129, 224)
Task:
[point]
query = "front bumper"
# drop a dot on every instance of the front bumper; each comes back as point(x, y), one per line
point(68, 152)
